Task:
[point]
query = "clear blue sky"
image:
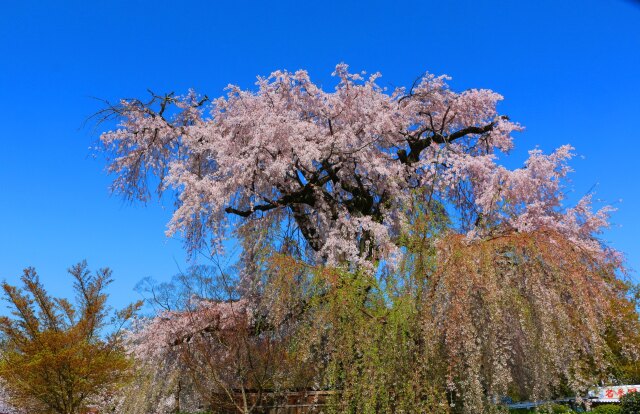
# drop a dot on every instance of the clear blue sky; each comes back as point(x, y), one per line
point(569, 71)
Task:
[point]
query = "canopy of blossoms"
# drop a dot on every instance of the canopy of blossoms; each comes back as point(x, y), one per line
point(152, 338)
point(339, 164)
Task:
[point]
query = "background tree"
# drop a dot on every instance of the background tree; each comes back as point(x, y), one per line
point(219, 349)
point(5, 406)
point(57, 357)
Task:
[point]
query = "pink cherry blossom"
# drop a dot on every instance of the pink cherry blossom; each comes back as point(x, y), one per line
point(341, 164)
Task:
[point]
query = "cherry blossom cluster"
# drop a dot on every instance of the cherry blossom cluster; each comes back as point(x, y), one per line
point(340, 163)
point(152, 338)
point(530, 198)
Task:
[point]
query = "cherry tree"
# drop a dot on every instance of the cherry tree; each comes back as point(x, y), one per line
point(338, 165)
point(499, 287)
point(230, 361)
point(5, 406)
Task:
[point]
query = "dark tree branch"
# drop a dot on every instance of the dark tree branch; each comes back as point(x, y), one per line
point(416, 146)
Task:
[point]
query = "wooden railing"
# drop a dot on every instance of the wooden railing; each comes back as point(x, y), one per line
point(289, 402)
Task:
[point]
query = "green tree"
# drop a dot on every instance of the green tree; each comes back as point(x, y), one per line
point(57, 357)
point(630, 403)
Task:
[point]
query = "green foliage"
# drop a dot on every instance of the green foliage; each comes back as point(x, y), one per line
point(606, 409)
point(375, 357)
point(630, 403)
point(363, 331)
point(438, 333)
point(556, 409)
point(546, 409)
point(363, 340)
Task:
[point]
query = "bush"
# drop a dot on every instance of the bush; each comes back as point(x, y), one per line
point(606, 409)
point(630, 403)
point(546, 409)
point(555, 409)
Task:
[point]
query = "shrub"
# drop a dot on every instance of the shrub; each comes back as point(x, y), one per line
point(630, 403)
point(606, 409)
point(546, 409)
point(561, 409)
point(555, 409)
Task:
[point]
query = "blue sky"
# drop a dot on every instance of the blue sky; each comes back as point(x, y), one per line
point(569, 71)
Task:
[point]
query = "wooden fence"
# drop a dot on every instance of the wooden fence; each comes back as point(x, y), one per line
point(290, 402)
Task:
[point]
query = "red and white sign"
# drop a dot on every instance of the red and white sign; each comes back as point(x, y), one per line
point(613, 393)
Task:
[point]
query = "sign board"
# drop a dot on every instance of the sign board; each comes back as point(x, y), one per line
point(612, 394)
